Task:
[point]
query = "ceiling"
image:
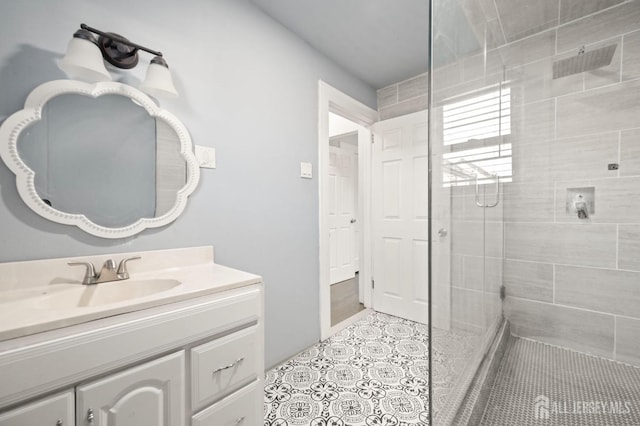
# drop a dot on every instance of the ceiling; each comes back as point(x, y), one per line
point(380, 41)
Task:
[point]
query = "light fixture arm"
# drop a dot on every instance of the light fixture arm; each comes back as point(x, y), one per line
point(119, 39)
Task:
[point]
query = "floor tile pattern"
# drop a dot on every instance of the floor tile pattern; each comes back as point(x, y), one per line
point(541, 384)
point(373, 373)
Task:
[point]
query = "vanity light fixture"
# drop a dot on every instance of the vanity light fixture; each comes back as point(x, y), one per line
point(86, 55)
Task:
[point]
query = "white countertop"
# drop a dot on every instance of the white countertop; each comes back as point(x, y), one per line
point(22, 311)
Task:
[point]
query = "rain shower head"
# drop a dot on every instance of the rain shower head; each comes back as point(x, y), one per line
point(584, 61)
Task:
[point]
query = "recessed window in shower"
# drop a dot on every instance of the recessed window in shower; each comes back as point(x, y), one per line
point(473, 128)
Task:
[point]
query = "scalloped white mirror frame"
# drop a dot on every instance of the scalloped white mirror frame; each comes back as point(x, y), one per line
point(25, 177)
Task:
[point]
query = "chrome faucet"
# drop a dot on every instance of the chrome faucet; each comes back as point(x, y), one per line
point(109, 271)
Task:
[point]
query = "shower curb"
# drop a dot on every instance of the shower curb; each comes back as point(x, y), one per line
point(475, 401)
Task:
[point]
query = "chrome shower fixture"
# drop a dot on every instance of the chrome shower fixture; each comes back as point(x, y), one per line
point(86, 55)
point(584, 61)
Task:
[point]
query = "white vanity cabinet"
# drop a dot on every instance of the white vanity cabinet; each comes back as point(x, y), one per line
point(56, 410)
point(151, 394)
point(198, 361)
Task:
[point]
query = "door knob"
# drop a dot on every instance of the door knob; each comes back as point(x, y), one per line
point(353, 221)
point(442, 232)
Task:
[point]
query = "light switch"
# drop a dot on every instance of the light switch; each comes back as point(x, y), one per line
point(206, 156)
point(306, 170)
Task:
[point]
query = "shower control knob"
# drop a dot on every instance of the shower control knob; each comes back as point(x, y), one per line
point(442, 232)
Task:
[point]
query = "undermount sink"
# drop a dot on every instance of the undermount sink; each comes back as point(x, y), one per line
point(105, 293)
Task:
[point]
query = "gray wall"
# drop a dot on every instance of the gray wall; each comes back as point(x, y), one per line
point(249, 88)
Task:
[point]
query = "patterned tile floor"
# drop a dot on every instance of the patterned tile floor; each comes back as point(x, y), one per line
point(373, 373)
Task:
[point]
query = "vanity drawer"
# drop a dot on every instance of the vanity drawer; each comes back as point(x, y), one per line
point(56, 410)
point(223, 365)
point(242, 408)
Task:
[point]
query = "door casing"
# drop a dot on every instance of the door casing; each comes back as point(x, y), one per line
point(333, 100)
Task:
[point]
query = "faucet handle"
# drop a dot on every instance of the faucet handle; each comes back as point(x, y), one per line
point(90, 276)
point(122, 267)
point(109, 264)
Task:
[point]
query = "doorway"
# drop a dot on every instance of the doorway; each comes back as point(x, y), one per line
point(344, 151)
point(344, 228)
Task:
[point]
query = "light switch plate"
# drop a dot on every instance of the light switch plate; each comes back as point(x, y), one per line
point(206, 156)
point(306, 170)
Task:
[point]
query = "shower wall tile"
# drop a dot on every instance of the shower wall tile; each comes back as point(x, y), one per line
point(577, 329)
point(631, 56)
point(448, 75)
point(531, 49)
point(630, 152)
point(473, 273)
point(493, 274)
point(600, 26)
point(388, 96)
point(537, 82)
point(466, 307)
point(414, 87)
point(628, 340)
point(529, 280)
point(609, 108)
point(528, 202)
point(574, 9)
point(521, 18)
point(629, 247)
point(456, 270)
point(407, 107)
point(565, 159)
point(538, 121)
point(609, 74)
point(617, 200)
point(603, 290)
point(473, 67)
point(585, 244)
point(466, 238)
point(494, 239)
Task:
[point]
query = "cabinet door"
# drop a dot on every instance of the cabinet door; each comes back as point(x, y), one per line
point(151, 394)
point(53, 411)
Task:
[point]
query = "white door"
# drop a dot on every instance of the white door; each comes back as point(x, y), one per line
point(151, 394)
point(400, 216)
point(342, 212)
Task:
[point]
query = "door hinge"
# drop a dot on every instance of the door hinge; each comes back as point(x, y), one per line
point(373, 139)
point(503, 292)
point(373, 283)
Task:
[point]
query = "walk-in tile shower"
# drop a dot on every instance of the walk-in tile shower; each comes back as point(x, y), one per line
point(535, 143)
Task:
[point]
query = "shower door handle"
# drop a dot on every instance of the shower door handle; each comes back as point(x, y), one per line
point(497, 193)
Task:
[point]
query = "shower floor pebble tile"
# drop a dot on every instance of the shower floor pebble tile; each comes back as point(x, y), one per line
point(374, 373)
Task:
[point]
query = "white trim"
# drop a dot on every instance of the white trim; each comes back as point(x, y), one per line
point(25, 177)
point(351, 320)
point(332, 100)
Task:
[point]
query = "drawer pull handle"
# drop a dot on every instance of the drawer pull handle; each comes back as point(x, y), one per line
point(240, 420)
point(226, 367)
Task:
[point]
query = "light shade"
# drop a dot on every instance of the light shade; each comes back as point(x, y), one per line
point(158, 81)
point(84, 60)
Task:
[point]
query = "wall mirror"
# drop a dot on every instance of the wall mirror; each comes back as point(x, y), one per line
point(103, 157)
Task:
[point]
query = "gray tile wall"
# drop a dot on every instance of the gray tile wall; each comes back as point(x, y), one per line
point(404, 97)
point(570, 282)
point(576, 282)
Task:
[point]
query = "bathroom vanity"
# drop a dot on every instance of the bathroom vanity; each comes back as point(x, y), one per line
point(187, 349)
